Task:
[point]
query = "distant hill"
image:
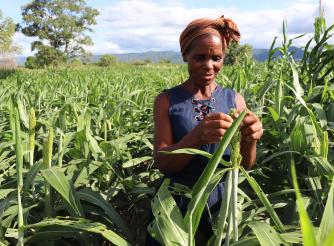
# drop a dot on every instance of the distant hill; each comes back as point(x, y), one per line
point(262, 54)
point(175, 57)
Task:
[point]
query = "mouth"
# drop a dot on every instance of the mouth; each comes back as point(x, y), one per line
point(208, 76)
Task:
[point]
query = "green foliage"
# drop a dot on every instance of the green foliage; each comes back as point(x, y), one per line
point(101, 157)
point(237, 53)
point(7, 49)
point(31, 62)
point(62, 24)
point(107, 60)
point(75, 62)
point(7, 30)
point(46, 56)
point(164, 207)
point(63, 227)
point(164, 61)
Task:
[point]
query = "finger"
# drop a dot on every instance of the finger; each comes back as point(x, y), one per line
point(218, 116)
point(250, 129)
point(213, 137)
point(235, 115)
point(238, 112)
point(218, 124)
point(255, 136)
point(216, 132)
point(249, 119)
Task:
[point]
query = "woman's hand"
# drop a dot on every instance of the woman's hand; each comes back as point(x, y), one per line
point(251, 131)
point(212, 128)
point(251, 127)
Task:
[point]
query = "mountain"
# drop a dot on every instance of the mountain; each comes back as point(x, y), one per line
point(262, 54)
point(153, 56)
point(175, 57)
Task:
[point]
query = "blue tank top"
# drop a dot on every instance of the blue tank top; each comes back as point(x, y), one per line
point(185, 113)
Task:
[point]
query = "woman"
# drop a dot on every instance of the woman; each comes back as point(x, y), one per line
point(194, 114)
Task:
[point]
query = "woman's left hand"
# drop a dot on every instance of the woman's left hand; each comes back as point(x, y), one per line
point(251, 127)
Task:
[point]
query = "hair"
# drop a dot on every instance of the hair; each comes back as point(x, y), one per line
point(222, 27)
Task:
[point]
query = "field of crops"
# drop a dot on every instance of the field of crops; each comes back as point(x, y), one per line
point(76, 163)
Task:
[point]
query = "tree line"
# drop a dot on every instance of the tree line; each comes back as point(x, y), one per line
point(61, 29)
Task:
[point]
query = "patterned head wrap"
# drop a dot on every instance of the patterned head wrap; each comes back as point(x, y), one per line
point(222, 27)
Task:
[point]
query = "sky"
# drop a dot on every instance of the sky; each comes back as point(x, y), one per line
point(125, 26)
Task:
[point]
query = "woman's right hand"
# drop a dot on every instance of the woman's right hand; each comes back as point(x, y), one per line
point(212, 128)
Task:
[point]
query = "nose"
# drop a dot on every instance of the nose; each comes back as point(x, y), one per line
point(208, 64)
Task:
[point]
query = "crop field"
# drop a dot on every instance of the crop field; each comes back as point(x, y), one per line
point(76, 164)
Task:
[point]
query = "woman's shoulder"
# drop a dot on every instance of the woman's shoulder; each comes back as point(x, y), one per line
point(175, 94)
point(173, 90)
point(224, 89)
point(235, 99)
point(226, 92)
point(226, 98)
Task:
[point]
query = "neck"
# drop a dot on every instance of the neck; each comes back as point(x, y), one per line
point(200, 92)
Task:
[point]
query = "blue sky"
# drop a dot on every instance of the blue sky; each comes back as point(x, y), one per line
point(142, 25)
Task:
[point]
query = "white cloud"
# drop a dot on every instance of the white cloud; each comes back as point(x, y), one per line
point(104, 47)
point(138, 25)
point(142, 25)
point(24, 43)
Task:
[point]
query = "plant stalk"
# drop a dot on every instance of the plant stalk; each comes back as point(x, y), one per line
point(19, 171)
point(47, 158)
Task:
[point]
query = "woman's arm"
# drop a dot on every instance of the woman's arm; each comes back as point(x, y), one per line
point(209, 130)
point(163, 139)
point(251, 131)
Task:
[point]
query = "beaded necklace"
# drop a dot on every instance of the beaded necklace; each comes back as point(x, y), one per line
point(203, 107)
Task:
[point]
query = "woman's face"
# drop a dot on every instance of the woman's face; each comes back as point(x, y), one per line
point(205, 59)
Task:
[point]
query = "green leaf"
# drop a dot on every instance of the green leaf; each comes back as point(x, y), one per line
point(5, 192)
point(93, 145)
point(264, 200)
point(2, 244)
point(23, 113)
point(324, 144)
point(168, 226)
point(82, 225)
point(223, 211)
point(298, 88)
point(303, 103)
point(192, 151)
point(292, 237)
point(136, 161)
point(197, 203)
point(95, 198)
point(279, 97)
point(329, 239)
point(320, 113)
point(58, 181)
point(273, 113)
point(279, 154)
point(249, 241)
point(266, 235)
point(55, 232)
point(309, 238)
point(86, 171)
point(327, 221)
point(32, 174)
point(321, 164)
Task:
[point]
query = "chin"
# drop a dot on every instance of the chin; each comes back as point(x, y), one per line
point(204, 83)
point(208, 80)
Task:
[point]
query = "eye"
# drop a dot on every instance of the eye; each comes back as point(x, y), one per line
point(217, 58)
